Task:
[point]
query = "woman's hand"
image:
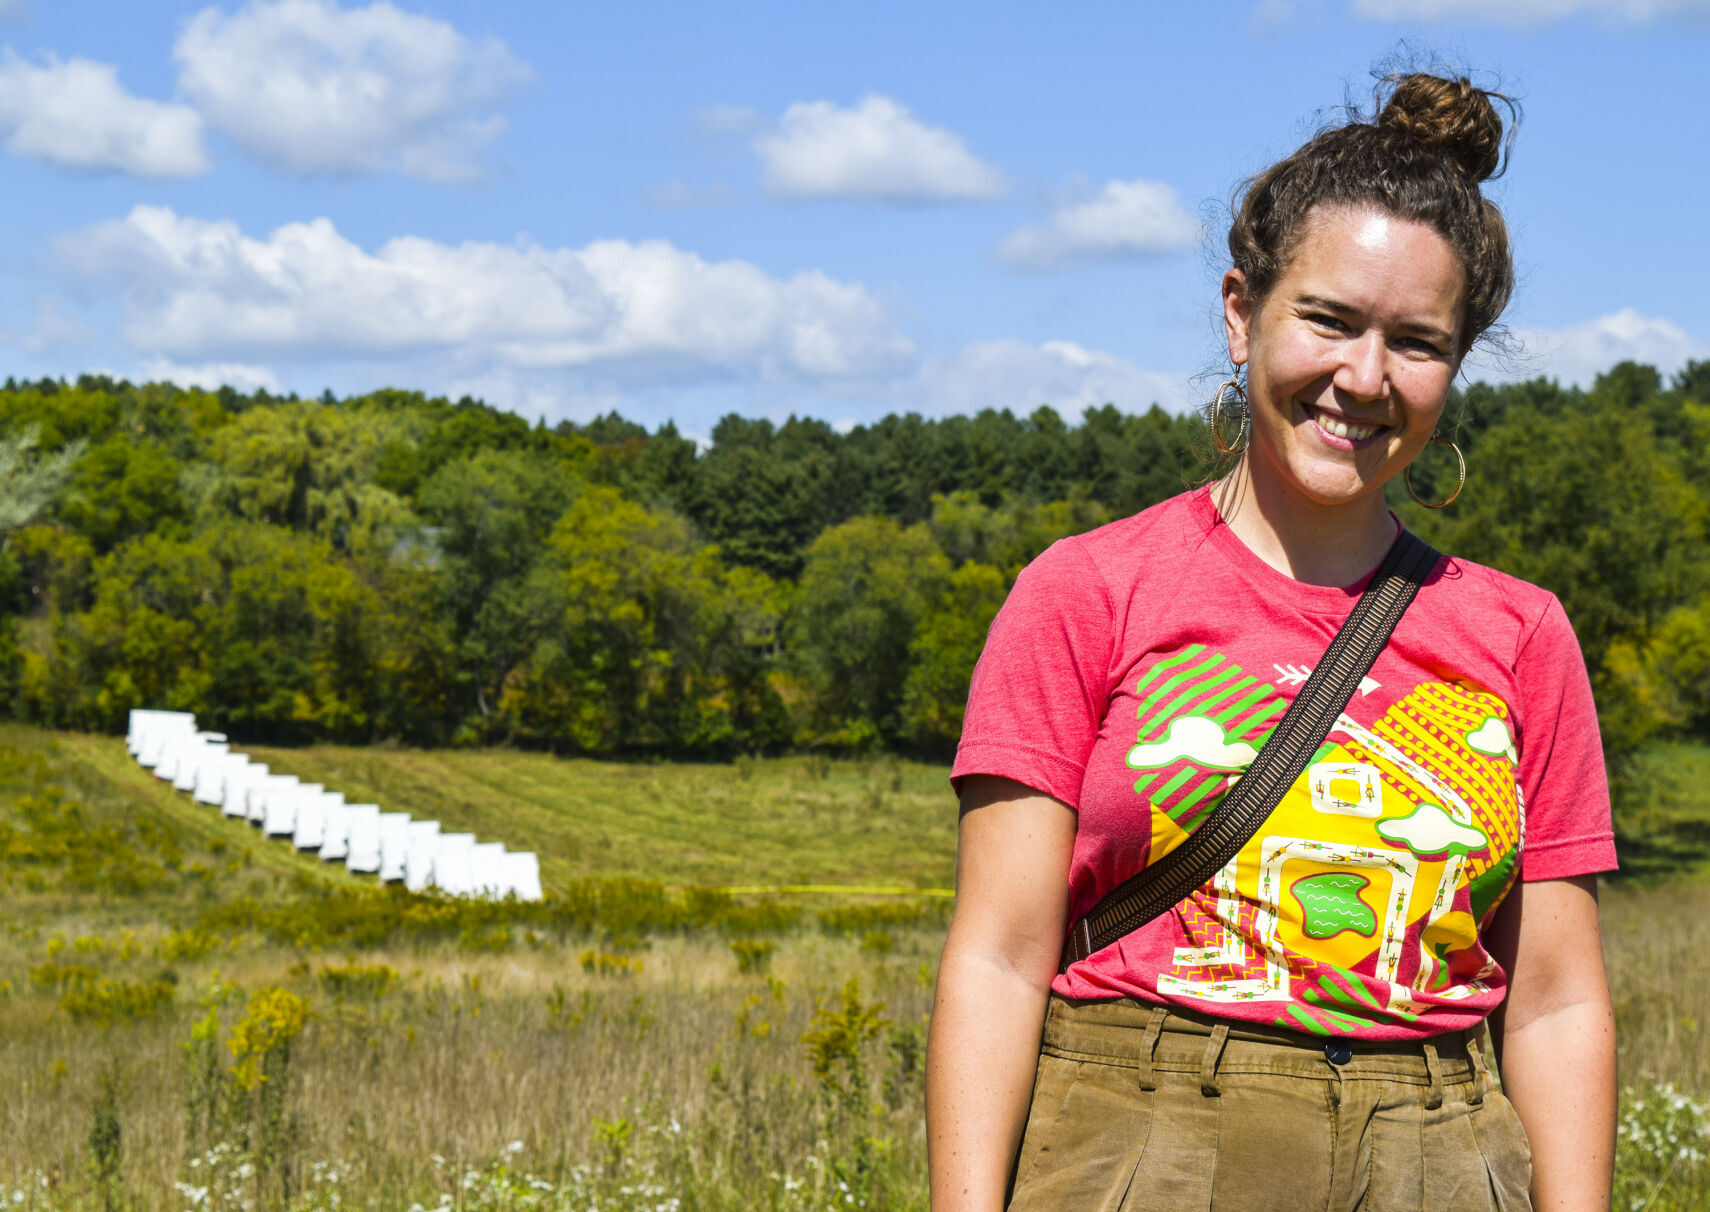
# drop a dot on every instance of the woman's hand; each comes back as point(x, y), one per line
point(1555, 1039)
point(1012, 870)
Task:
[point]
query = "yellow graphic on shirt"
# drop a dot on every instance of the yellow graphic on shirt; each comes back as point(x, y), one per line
point(1359, 899)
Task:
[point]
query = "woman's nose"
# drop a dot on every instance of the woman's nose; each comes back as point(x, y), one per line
point(1361, 371)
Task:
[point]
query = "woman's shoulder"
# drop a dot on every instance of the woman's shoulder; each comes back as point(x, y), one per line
point(1497, 604)
point(1128, 546)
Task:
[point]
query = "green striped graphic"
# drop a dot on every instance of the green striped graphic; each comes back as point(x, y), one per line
point(1244, 703)
point(1305, 1019)
point(1175, 706)
point(1208, 685)
point(1170, 662)
point(1346, 1021)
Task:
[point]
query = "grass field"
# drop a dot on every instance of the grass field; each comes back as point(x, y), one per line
point(777, 821)
point(667, 1048)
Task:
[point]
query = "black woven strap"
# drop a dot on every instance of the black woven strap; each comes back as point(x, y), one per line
point(1285, 755)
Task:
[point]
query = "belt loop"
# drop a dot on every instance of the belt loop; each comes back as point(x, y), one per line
point(1433, 1067)
point(1149, 1046)
point(1480, 1075)
point(1208, 1063)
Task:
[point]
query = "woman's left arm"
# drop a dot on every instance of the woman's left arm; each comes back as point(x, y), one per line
point(1555, 1040)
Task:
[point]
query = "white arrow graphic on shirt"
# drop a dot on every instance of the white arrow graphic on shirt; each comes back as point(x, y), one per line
point(1294, 675)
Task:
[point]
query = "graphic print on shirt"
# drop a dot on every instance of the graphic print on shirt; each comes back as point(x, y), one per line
point(1358, 901)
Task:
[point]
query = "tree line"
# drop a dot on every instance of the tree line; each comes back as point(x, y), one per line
point(394, 567)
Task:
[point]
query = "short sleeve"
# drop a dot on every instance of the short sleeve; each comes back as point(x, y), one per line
point(1039, 691)
point(1562, 775)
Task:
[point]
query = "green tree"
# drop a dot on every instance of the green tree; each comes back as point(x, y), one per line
point(490, 516)
point(121, 488)
point(647, 643)
point(311, 467)
point(1010, 535)
point(865, 586)
point(942, 655)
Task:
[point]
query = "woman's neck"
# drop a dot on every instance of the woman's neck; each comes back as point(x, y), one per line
point(1303, 539)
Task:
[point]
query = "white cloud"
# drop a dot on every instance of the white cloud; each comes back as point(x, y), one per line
point(1018, 376)
point(1580, 352)
point(876, 151)
point(312, 88)
point(1527, 13)
point(1124, 219)
point(194, 288)
point(76, 114)
point(211, 376)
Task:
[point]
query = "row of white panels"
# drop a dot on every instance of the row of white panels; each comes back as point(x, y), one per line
point(361, 836)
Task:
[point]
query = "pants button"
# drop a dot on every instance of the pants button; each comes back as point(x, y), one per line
point(1338, 1051)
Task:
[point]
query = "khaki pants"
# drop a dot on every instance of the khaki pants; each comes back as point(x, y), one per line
point(1140, 1109)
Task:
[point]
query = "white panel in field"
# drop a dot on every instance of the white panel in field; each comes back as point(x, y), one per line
point(211, 776)
point(160, 726)
point(486, 869)
point(255, 795)
point(418, 859)
point(522, 875)
point(190, 765)
point(239, 779)
point(394, 845)
point(154, 742)
point(279, 818)
point(335, 826)
point(451, 873)
point(171, 752)
point(363, 821)
point(146, 725)
point(309, 830)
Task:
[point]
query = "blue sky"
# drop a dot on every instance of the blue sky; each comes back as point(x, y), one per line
point(683, 210)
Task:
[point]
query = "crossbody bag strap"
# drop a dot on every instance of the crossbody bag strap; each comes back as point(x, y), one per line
point(1162, 885)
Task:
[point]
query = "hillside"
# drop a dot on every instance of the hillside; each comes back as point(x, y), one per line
point(757, 822)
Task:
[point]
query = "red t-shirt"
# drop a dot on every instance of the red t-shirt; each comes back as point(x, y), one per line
point(1135, 670)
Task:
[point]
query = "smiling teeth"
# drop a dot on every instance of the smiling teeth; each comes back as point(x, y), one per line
point(1341, 429)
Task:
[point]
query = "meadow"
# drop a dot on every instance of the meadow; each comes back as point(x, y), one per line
point(192, 1017)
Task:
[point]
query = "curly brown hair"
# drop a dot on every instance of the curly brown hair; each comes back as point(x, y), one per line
point(1420, 158)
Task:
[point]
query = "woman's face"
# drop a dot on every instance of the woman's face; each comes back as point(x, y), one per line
point(1350, 357)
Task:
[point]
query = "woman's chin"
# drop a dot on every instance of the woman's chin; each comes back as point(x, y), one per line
point(1329, 486)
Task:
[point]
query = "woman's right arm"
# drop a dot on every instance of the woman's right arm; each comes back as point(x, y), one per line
point(1012, 871)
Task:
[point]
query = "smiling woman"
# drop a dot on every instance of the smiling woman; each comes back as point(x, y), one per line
point(1306, 1028)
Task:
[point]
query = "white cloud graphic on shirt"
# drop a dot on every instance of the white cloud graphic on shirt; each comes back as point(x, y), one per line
point(1198, 739)
point(1430, 831)
point(1491, 737)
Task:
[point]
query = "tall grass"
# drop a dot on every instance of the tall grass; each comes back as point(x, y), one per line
point(224, 1028)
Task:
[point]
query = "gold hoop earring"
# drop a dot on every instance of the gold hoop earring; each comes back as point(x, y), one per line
point(1460, 468)
point(1224, 389)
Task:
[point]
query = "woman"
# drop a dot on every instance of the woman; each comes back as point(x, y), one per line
point(1303, 1032)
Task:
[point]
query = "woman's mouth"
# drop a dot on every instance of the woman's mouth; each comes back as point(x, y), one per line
point(1342, 433)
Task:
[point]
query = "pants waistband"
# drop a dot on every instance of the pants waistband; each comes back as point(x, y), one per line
point(1156, 1039)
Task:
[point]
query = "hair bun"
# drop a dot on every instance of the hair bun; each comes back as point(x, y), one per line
point(1451, 117)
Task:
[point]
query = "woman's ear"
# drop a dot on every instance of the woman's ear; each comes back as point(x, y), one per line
point(1237, 315)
